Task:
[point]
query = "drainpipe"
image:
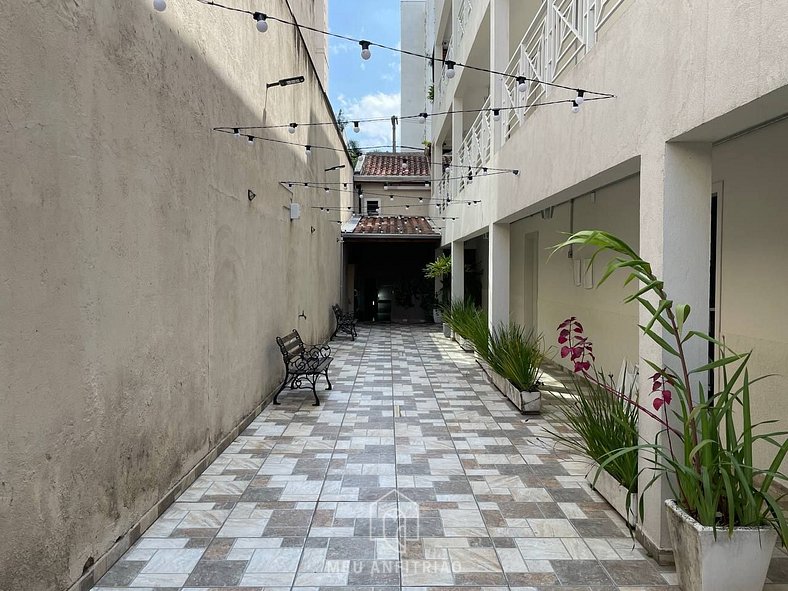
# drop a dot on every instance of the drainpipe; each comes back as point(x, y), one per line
point(394, 133)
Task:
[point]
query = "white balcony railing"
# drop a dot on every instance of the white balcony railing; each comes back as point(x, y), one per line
point(561, 32)
point(476, 148)
point(463, 17)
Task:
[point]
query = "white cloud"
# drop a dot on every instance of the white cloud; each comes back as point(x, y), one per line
point(371, 106)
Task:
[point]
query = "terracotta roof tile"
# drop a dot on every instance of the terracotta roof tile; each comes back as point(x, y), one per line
point(395, 225)
point(399, 164)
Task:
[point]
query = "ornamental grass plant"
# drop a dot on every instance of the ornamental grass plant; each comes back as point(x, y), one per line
point(602, 421)
point(517, 355)
point(705, 444)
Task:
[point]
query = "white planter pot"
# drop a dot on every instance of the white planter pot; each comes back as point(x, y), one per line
point(437, 317)
point(527, 402)
point(446, 330)
point(616, 495)
point(703, 563)
point(466, 345)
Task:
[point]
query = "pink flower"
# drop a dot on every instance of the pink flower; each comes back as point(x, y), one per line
point(667, 396)
point(564, 352)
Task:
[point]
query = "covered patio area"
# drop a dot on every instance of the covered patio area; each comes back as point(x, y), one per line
point(413, 473)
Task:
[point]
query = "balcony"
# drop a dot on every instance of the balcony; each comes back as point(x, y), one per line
point(560, 34)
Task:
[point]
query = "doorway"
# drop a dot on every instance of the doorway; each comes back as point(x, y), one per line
point(531, 277)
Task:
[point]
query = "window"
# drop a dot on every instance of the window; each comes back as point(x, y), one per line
point(373, 207)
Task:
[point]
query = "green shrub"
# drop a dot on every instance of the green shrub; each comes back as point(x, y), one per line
point(604, 423)
point(517, 355)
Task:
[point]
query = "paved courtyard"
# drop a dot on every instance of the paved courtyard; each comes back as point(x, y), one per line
point(414, 473)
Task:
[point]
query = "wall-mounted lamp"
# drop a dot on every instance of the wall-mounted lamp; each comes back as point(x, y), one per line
point(547, 213)
point(286, 82)
point(251, 195)
point(337, 167)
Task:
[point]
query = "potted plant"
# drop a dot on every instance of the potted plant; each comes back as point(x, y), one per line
point(463, 318)
point(514, 365)
point(600, 423)
point(723, 519)
point(440, 269)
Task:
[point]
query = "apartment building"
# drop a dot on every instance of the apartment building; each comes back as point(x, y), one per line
point(686, 163)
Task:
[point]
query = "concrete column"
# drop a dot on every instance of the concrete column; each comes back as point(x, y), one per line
point(498, 269)
point(499, 59)
point(456, 141)
point(675, 218)
point(458, 270)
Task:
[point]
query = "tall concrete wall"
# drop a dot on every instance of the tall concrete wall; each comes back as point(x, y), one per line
point(140, 290)
point(413, 84)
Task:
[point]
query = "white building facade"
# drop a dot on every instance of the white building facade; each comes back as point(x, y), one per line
point(415, 73)
point(686, 163)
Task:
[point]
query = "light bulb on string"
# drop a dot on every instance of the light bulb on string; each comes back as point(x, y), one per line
point(575, 107)
point(327, 190)
point(522, 83)
point(250, 140)
point(385, 186)
point(450, 71)
point(470, 175)
point(160, 5)
point(292, 128)
point(365, 52)
point(421, 199)
point(262, 23)
point(423, 117)
point(407, 207)
point(308, 153)
point(356, 127)
point(427, 184)
point(236, 132)
point(496, 114)
point(581, 97)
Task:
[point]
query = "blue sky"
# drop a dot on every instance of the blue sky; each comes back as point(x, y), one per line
point(361, 88)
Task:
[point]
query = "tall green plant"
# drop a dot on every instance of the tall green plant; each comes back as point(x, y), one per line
point(460, 315)
point(601, 423)
point(517, 355)
point(440, 268)
point(705, 446)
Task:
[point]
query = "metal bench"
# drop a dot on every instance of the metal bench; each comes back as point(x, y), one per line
point(303, 362)
point(346, 323)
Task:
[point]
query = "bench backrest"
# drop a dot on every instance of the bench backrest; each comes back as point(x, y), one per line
point(291, 346)
point(337, 310)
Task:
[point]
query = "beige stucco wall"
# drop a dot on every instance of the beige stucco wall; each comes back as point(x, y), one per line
point(140, 290)
point(609, 323)
point(754, 272)
point(374, 191)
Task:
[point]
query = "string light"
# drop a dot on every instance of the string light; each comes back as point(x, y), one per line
point(418, 148)
point(160, 5)
point(236, 131)
point(292, 128)
point(250, 140)
point(308, 150)
point(575, 107)
point(522, 83)
point(365, 52)
point(356, 127)
point(450, 72)
point(423, 117)
point(581, 97)
point(262, 23)
point(496, 114)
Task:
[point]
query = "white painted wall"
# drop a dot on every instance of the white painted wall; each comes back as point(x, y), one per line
point(754, 280)
point(609, 323)
point(414, 80)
